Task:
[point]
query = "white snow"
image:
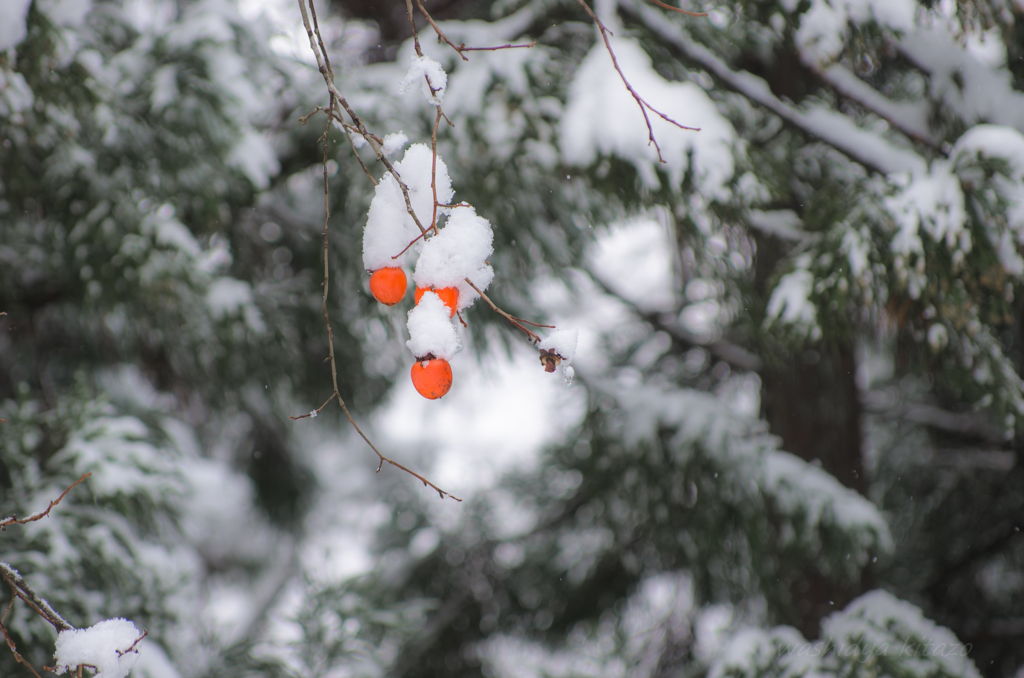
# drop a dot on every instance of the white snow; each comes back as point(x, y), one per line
point(791, 304)
point(634, 259)
point(165, 87)
point(562, 342)
point(424, 70)
point(974, 91)
point(459, 251)
point(393, 142)
point(227, 296)
point(834, 128)
point(934, 203)
point(255, 157)
point(823, 28)
point(431, 330)
point(68, 13)
point(15, 94)
point(879, 620)
point(105, 646)
point(389, 227)
point(602, 118)
point(13, 14)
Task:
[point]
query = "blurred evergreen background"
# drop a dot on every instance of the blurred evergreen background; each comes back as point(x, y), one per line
point(793, 442)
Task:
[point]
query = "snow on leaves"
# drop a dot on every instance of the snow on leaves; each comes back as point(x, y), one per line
point(876, 632)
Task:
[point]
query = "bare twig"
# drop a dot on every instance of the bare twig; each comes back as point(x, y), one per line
point(33, 599)
point(21, 589)
point(412, 25)
point(659, 3)
point(14, 520)
point(433, 166)
point(121, 653)
point(317, 410)
point(441, 37)
point(463, 48)
point(339, 101)
point(516, 322)
point(641, 102)
point(437, 29)
point(14, 650)
point(411, 243)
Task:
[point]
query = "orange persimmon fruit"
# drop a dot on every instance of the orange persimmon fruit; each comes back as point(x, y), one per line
point(388, 285)
point(449, 295)
point(432, 377)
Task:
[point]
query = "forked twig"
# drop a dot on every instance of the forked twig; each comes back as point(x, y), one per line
point(14, 520)
point(516, 322)
point(437, 29)
point(441, 37)
point(121, 653)
point(641, 102)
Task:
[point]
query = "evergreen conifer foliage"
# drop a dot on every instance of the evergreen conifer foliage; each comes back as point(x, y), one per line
point(856, 182)
point(834, 195)
point(141, 328)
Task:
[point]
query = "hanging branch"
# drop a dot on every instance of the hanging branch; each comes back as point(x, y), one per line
point(641, 102)
point(516, 322)
point(339, 102)
point(382, 459)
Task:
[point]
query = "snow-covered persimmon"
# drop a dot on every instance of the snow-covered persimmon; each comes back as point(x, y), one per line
point(432, 377)
point(449, 295)
point(388, 285)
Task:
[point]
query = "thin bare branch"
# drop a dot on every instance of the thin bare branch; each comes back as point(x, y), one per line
point(121, 653)
point(14, 650)
point(433, 165)
point(14, 520)
point(641, 102)
point(412, 25)
point(659, 3)
point(317, 410)
point(463, 48)
point(437, 29)
point(339, 100)
point(33, 599)
point(516, 322)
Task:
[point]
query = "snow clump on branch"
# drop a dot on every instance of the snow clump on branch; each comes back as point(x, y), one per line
point(431, 76)
point(459, 251)
point(109, 646)
point(389, 227)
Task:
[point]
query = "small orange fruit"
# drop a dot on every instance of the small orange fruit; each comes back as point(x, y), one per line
point(449, 295)
point(432, 377)
point(388, 285)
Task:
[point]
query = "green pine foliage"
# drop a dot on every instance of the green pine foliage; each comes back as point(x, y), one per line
point(730, 498)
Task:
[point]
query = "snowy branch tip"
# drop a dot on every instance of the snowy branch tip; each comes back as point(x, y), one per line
point(430, 75)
